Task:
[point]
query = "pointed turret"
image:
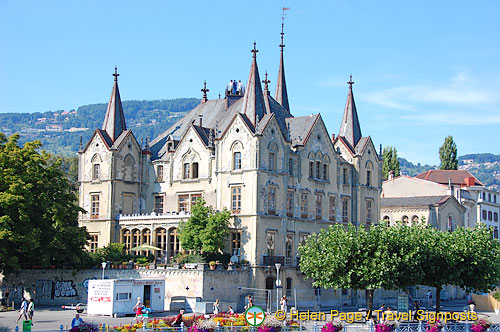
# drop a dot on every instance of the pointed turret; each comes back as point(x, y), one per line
point(350, 129)
point(281, 93)
point(114, 121)
point(253, 101)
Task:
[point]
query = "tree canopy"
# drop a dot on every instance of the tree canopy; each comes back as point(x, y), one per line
point(38, 210)
point(390, 162)
point(401, 256)
point(448, 154)
point(206, 229)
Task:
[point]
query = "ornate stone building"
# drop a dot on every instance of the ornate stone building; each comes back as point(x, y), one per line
point(283, 177)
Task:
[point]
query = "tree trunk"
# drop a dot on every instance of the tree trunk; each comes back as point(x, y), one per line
point(369, 300)
point(438, 298)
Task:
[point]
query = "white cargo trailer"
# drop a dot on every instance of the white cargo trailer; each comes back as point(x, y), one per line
point(117, 297)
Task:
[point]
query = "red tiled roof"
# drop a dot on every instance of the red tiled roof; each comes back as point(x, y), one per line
point(442, 176)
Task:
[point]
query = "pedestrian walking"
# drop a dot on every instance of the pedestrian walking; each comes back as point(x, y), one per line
point(22, 310)
point(138, 309)
point(31, 310)
point(249, 302)
point(416, 308)
point(284, 303)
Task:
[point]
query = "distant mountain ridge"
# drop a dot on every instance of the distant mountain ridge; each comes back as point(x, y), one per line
point(60, 131)
point(484, 166)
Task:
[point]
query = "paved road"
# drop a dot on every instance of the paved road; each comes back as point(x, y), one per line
point(50, 318)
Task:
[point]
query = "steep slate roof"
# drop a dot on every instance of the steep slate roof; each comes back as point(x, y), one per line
point(114, 121)
point(217, 116)
point(442, 176)
point(281, 95)
point(300, 128)
point(253, 100)
point(349, 128)
point(421, 201)
point(204, 134)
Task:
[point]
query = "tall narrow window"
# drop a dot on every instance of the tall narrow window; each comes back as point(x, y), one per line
point(136, 238)
point(159, 173)
point(290, 166)
point(289, 245)
point(331, 208)
point(289, 203)
point(272, 161)
point(195, 171)
point(161, 240)
point(345, 176)
point(237, 160)
point(236, 200)
point(318, 170)
point(368, 210)
point(270, 241)
point(325, 172)
point(235, 243)
point(368, 178)
point(126, 240)
point(94, 240)
point(185, 171)
point(271, 201)
point(158, 204)
point(96, 172)
point(345, 209)
point(183, 203)
point(303, 205)
point(174, 242)
point(95, 206)
point(311, 169)
point(490, 216)
point(319, 202)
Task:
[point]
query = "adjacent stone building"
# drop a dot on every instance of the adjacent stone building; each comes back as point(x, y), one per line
point(282, 177)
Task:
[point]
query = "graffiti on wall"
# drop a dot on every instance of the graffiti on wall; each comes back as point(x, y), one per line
point(49, 289)
point(85, 283)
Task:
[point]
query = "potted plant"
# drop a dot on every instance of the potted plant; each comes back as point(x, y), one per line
point(212, 265)
point(496, 296)
point(480, 325)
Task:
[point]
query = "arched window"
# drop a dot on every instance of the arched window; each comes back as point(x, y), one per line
point(173, 241)
point(369, 169)
point(273, 156)
point(405, 220)
point(161, 241)
point(129, 168)
point(269, 283)
point(387, 220)
point(237, 160)
point(126, 240)
point(96, 167)
point(451, 222)
point(146, 239)
point(414, 220)
point(136, 238)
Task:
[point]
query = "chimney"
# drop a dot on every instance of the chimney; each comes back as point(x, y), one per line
point(391, 175)
point(201, 120)
point(450, 188)
point(333, 137)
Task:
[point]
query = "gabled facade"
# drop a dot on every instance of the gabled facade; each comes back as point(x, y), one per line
point(282, 177)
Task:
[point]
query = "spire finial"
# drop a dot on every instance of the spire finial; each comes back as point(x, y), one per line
point(350, 82)
point(204, 90)
point(116, 74)
point(266, 81)
point(255, 50)
point(282, 45)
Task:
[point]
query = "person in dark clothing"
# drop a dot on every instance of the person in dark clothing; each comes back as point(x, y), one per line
point(178, 320)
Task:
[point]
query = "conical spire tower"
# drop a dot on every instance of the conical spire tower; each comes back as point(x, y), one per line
point(350, 129)
point(114, 121)
point(253, 101)
point(281, 93)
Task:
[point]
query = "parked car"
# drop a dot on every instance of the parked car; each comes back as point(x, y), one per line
point(79, 307)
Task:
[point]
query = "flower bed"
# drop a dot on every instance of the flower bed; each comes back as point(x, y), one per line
point(480, 325)
point(387, 326)
point(333, 326)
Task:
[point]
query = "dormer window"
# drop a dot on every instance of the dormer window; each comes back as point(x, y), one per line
point(272, 161)
point(185, 171)
point(195, 171)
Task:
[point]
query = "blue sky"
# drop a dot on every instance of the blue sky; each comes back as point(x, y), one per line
point(422, 69)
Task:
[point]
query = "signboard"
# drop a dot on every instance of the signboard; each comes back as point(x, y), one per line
point(100, 297)
point(402, 302)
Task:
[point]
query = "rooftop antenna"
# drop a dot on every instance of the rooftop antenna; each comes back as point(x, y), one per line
point(283, 15)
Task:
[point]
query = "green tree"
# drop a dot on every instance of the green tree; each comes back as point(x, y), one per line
point(448, 154)
point(390, 162)
point(355, 258)
point(38, 210)
point(206, 229)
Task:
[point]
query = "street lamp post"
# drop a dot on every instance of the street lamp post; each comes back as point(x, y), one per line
point(103, 264)
point(278, 285)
